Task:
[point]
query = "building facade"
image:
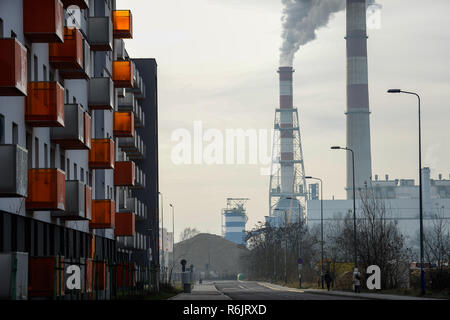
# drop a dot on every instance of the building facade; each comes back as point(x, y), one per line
point(78, 141)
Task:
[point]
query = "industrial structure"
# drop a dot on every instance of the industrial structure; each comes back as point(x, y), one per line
point(234, 218)
point(78, 150)
point(287, 188)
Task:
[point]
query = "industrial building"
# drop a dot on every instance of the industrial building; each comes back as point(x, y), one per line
point(78, 150)
point(234, 219)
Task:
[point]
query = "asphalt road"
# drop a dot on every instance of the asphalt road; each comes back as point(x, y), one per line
point(248, 290)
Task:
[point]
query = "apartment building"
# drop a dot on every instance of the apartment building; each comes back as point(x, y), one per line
point(78, 152)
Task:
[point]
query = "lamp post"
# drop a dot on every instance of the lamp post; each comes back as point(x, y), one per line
point(173, 238)
point(162, 236)
point(422, 271)
point(321, 223)
point(354, 200)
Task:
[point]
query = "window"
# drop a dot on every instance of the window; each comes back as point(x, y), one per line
point(36, 153)
point(75, 172)
point(36, 78)
point(15, 133)
point(52, 75)
point(82, 174)
point(74, 100)
point(28, 63)
point(44, 70)
point(13, 34)
point(88, 182)
point(29, 143)
point(68, 170)
point(2, 129)
point(52, 157)
point(67, 96)
point(45, 155)
point(62, 162)
point(1, 28)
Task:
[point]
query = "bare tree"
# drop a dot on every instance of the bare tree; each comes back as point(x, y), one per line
point(188, 233)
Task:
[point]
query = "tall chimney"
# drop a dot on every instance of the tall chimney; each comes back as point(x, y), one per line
point(358, 122)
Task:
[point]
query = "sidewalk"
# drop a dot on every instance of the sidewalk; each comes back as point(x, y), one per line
point(204, 291)
point(373, 296)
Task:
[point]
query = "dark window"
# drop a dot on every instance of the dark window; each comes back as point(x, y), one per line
point(13, 34)
point(52, 157)
point(44, 70)
point(68, 170)
point(62, 162)
point(45, 155)
point(67, 96)
point(75, 172)
point(74, 100)
point(36, 75)
point(82, 174)
point(2, 129)
point(29, 143)
point(28, 63)
point(36, 153)
point(1, 28)
point(15, 133)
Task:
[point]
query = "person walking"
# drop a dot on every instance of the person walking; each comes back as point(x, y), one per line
point(328, 279)
point(357, 280)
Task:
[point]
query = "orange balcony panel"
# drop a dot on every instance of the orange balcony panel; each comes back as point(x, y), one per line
point(124, 173)
point(123, 72)
point(125, 224)
point(123, 24)
point(124, 124)
point(43, 20)
point(87, 130)
point(13, 66)
point(44, 104)
point(103, 214)
point(46, 190)
point(101, 155)
point(46, 277)
point(82, 4)
point(67, 55)
point(88, 276)
point(88, 202)
point(99, 275)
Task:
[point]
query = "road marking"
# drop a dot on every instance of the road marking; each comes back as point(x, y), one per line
point(280, 289)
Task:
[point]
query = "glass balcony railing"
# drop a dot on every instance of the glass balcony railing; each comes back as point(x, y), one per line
point(123, 24)
point(76, 135)
point(100, 33)
point(43, 21)
point(124, 172)
point(103, 214)
point(46, 190)
point(77, 201)
point(125, 224)
point(13, 66)
point(69, 54)
point(101, 155)
point(123, 74)
point(14, 181)
point(101, 93)
point(44, 104)
point(123, 124)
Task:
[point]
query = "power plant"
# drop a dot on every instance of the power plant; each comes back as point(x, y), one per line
point(233, 228)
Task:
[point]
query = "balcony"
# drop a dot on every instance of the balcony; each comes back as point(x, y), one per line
point(119, 49)
point(13, 63)
point(46, 190)
point(100, 33)
point(123, 24)
point(82, 4)
point(125, 224)
point(77, 132)
point(123, 74)
point(124, 173)
point(76, 202)
point(127, 102)
point(67, 55)
point(103, 214)
point(46, 277)
point(99, 274)
point(43, 21)
point(101, 155)
point(88, 202)
point(123, 124)
point(44, 104)
point(80, 73)
point(14, 165)
point(101, 94)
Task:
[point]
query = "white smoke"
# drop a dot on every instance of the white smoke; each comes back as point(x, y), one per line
point(301, 19)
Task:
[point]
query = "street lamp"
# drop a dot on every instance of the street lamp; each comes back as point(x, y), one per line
point(321, 222)
point(422, 271)
point(173, 237)
point(162, 236)
point(354, 199)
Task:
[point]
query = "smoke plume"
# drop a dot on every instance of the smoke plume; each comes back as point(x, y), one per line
point(301, 19)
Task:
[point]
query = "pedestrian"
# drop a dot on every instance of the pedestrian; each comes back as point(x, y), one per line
point(357, 280)
point(328, 279)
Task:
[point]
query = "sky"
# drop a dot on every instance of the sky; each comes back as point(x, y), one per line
point(217, 63)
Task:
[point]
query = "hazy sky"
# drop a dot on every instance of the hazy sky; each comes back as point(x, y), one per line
point(217, 62)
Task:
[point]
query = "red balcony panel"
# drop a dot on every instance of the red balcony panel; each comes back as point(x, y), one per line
point(13, 66)
point(91, 246)
point(82, 4)
point(123, 73)
point(125, 275)
point(88, 276)
point(103, 214)
point(46, 277)
point(67, 55)
point(44, 104)
point(124, 124)
point(101, 155)
point(124, 173)
point(122, 24)
point(88, 202)
point(46, 190)
point(87, 130)
point(99, 278)
point(43, 20)
point(125, 224)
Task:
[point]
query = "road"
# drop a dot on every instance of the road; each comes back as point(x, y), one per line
point(250, 290)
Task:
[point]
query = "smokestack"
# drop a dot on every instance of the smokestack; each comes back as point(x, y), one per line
point(358, 122)
point(286, 122)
